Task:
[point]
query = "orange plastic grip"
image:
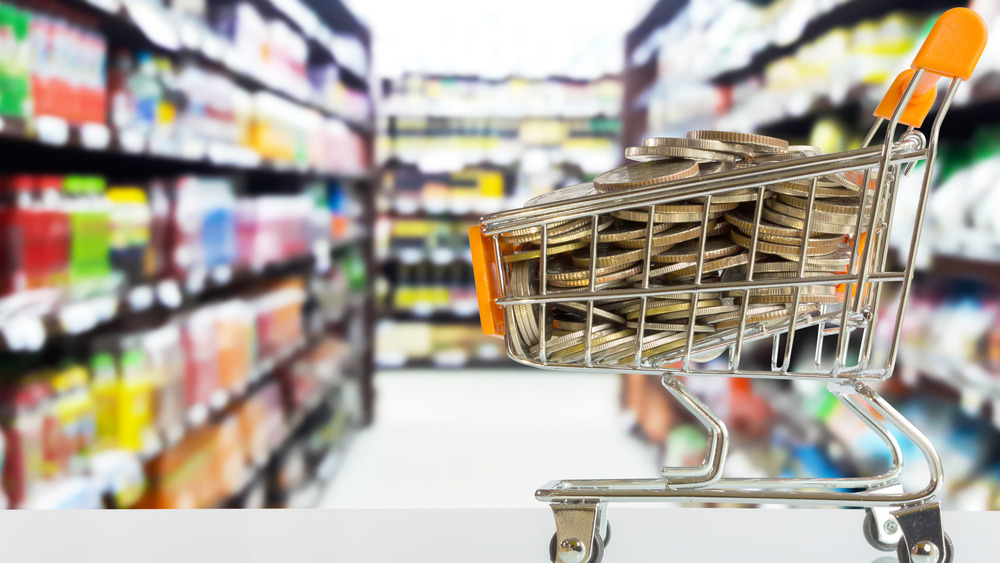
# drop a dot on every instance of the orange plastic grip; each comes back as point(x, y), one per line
point(484, 267)
point(952, 49)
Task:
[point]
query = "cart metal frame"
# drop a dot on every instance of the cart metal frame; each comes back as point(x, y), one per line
point(909, 520)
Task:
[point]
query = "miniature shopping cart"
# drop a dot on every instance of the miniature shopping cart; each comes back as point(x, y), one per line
point(908, 522)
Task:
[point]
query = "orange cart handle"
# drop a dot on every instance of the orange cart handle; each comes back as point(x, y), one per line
point(485, 268)
point(952, 49)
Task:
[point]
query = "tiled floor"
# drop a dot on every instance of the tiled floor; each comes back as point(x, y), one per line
point(485, 439)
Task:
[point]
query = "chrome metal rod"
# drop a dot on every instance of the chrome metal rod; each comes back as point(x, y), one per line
point(711, 468)
point(918, 223)
point(636, 293)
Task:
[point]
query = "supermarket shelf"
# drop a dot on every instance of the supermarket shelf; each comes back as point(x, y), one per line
point(140, 20)
point(959, 266)
point(310, 495)
point(222, 400)
point(975, 388)
point(77, 147)
point(846, 14)
point(33, 318)
point(257, 468)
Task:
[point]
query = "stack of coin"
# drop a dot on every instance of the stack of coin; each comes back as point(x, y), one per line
point(677, 244)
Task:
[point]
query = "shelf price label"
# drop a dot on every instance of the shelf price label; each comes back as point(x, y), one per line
point(52, 130)
point(95, 136)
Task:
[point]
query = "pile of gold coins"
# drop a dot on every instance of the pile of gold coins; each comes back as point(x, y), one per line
point(677, 230)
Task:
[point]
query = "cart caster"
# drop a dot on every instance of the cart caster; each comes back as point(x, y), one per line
point(923, 536)
point(574, 552)
point(874, 537)
point(928, 552)
point(582, 531)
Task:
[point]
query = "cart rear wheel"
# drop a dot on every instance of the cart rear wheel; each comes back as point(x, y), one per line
point(871, 534)
point(596, 552)
point(904, 557)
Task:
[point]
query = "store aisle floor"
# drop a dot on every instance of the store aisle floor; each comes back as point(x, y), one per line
point(485, 439)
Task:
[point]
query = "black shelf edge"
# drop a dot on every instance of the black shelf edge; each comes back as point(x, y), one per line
point(427, 363)
point(441, 317)
point(169, 294)
point(73, 155)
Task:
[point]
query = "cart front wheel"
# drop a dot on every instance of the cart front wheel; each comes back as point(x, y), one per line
point(904, 556)
point(596, 552)
point(872, 536)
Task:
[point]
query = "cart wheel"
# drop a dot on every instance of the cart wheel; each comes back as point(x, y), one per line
point(596, 554)
point(904, 557)
point(871, 534)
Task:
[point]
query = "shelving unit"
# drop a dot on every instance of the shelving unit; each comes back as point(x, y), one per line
point(454, 148)
point(780, 68)
point(290, 405)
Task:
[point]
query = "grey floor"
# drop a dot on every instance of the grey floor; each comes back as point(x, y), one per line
point(485, 439)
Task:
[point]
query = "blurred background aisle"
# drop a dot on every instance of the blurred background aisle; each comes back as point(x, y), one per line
point(234, 268)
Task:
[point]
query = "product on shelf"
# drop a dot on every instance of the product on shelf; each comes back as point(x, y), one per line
point(53, 64)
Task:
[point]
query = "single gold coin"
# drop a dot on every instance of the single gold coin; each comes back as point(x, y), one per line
point(815, 226)
point(735, 196)
point(555, 228)
point(666, 153)
point(786, 266)
point(688, 251)
point(687, 208)
point(644, 174)
point(675, 234)
point(627, 230)
point(710, 266)
point(840, 206)
point(788, 299)
point(642, 216)
point(740, 219)
point(599, 280)
point(699, 312)
point(775, 314)
point(669, 327)
point(762, 143)
point(802, 190)
point(780, 249)
point(713, 319)
point(738, 149)
point(607, 254)
point(817, 216)
point(831, 242)
point(672, 307)
point(561, 268)
point(522, 255)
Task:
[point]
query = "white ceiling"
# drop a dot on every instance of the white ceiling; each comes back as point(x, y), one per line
point(534, 38)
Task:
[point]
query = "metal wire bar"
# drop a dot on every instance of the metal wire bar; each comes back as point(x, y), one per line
point(919, 220)
point(647, 257)
point(699, 186)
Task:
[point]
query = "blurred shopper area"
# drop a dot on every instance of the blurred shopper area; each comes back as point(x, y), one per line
point(220, 218)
